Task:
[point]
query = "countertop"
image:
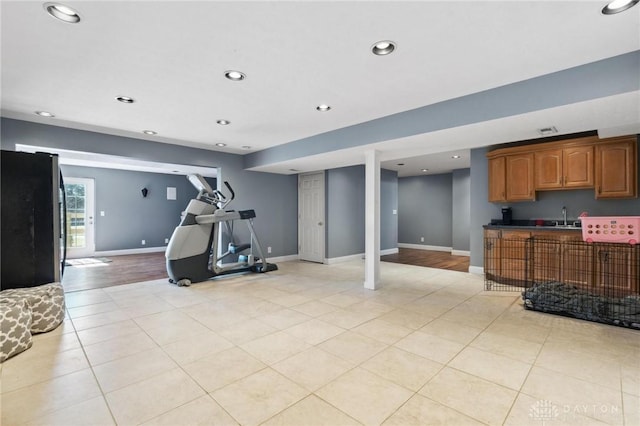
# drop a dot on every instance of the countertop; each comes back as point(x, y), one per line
point(534, 227)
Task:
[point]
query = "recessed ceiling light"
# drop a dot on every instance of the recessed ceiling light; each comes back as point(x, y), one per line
point(455, 157)
point(235, 75)
point(220, 144)
point(323, 108)
point(149, 132)
point(425, 170)
point(545, 131)
point(223, 122)
point(617, 6)
point(62, 12)
point(246, 147)
point(382, 48)
point(44, 114)
point(125, 99)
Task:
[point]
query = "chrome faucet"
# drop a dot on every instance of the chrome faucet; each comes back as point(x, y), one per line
point(564, 215)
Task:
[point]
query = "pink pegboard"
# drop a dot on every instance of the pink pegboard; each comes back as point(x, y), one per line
point(611, 229)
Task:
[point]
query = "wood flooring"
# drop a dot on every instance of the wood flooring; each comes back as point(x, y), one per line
point(151, 266)
point(429, 258)
point(121, 270)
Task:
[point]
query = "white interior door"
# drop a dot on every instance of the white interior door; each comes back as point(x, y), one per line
point(80, 195)
point(311, 220)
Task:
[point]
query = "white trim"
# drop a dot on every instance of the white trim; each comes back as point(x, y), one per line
point(130, 251)
point(283, 258)
point(479, 270)
point(334, 260)
point(461, 253)
point(424, 247)
point(358, 256)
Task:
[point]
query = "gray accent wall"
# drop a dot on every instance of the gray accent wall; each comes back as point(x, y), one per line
point(425, 209)
point(481, 210)
point(461, 209)
point(388, 203)
point(345, 210)
point(129, 217)
point(273, 197)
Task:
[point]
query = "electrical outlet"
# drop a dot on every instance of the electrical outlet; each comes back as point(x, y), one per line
point(268, 249)
point(422, 239)
point(144, 242)
point(166, 241)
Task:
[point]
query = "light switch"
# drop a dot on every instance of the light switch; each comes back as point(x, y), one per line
point(101, 212)
point(395, 211)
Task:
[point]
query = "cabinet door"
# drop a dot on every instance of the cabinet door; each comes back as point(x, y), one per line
point(514, 251)
point(492, 256)
point(520, 178)
point(617, 270)
point(548, 169)
point(497, 179)
point(577, 167)
point(546, 260)
point(577, 263)
point(616, 170)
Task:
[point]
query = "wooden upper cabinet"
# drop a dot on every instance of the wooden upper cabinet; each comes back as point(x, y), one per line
point(548, 169)
point(497, 179)
point(617, 169)
point(519, 177)
point(560, 168)
point(577, 166)
point(608, 165)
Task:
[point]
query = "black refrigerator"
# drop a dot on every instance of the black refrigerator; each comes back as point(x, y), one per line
point(33, 216)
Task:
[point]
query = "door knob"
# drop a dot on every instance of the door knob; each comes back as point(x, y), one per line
point(319, 223)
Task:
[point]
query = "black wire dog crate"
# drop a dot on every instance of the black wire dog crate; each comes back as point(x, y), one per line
point(592, 281)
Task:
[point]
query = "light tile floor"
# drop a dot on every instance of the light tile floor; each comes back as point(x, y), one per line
point(307, 345)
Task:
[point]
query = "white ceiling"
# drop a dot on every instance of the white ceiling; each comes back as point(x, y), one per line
point(171, 58)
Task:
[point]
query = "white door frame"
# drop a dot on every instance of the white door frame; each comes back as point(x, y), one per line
point(89, 248)
point(317, 223)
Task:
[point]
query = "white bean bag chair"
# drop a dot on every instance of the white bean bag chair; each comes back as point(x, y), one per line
point(26, 311)
point(15, 324)
point(46, 303)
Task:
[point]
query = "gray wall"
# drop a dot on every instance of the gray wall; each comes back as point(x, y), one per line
point(461, 212)
point(345, 210)
point(548, 205)
point(388, 203)
point(273, 197)
point(425, 206)
point(129, 217)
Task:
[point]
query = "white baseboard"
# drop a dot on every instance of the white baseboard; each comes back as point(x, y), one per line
point(332, 260)
point(389, 251)
point(287, 258)
point(461, 253)
point(479, 270)
point(424, 247)
point(130, 251)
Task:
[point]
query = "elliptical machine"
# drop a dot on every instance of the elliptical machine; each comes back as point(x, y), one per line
point(193, 248)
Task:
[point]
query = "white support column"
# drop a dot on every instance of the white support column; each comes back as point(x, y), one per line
point(372, 221)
